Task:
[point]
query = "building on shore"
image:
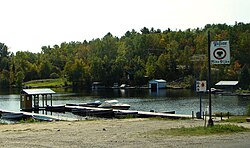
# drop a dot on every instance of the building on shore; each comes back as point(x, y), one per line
point(157, 84)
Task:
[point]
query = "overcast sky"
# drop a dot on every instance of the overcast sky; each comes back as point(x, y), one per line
point(27, 25)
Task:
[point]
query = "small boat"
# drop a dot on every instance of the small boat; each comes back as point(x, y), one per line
point(125, 113)
point(77, 111)
point(123, 86)
point(108, 113)
point(114, 104)
point(91, 104)
point(56, 108)
point(105, 113)
point(44, 118)
point(214, 90)
point(12, 115)
point(168, 112)
point(88, 104)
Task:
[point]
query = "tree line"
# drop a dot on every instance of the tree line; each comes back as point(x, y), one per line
point(134, 58)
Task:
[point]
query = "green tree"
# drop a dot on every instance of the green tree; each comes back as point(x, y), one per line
point(19, 78)
point(151, 67)
point(45, 69)
point(4, 79)
point(244, 80)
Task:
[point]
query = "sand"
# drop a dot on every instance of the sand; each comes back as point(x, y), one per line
point(127, 133)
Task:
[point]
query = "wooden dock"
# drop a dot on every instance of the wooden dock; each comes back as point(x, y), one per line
point(143, 114)
point(37, 116)
point(99, 112)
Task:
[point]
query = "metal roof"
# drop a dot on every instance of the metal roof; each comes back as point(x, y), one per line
point(158, 81)
point(43, 91)
point(227, 83)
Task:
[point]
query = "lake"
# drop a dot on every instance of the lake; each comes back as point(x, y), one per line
point(183, 101)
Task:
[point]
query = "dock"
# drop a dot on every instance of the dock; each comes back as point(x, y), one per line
point(142, 114)
point(89, 111)
point(24, 115)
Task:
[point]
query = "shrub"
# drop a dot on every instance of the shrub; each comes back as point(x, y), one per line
point(248, 110)
point(54, 76)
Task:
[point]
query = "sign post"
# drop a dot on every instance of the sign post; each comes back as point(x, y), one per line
point(210, 120)
point(201, 86)
point(218, 53)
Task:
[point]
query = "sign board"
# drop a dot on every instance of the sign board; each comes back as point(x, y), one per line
point(201, 86)
point(219, 52)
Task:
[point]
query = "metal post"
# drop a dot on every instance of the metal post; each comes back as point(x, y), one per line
point(210, 121)
point(200, 107)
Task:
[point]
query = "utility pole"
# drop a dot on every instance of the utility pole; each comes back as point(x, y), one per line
point(210, 121)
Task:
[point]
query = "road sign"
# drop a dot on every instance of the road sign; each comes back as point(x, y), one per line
point(220, 52)
point(201, 86)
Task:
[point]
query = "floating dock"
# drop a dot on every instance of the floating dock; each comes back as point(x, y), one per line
point(12, 115)
point(143, 114)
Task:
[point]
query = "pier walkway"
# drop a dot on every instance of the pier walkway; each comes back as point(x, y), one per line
point(42, 117)
point(127, 112)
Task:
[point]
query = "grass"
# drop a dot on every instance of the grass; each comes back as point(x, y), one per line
point(46, 83)
point(236, 119)
point(199, 131)
point(29, 120)
point(126, 116)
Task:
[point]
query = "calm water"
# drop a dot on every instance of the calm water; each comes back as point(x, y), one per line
point(181, 101)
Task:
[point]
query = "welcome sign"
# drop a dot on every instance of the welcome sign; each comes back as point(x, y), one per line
point(220, 52)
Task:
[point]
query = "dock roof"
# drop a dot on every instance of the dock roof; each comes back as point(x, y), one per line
point(158, 81)
point(227, 83)
point(43, 91)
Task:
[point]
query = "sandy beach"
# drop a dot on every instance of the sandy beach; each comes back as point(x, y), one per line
point(127, 133)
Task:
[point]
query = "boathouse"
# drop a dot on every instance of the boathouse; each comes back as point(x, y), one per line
point(157, 84)
point(30, 98)
point(227, 85)
point(97, 85)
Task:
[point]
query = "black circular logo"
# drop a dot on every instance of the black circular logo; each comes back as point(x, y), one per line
point(219, 53)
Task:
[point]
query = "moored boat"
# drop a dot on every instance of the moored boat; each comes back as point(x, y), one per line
point(11, 115)
point(44, 118)
point(114, 104)
point(91, 104)
point(56, 108)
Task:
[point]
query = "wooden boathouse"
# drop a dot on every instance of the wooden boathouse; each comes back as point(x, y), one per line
point(30, 99)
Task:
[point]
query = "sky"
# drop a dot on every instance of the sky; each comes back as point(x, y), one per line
point(27, 25)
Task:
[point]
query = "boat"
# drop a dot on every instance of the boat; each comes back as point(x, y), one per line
point(107, 113)
point(91, 104)
point(215, 90)
point(79, 111)
point(123, 86)
point(11, 115)
point(98, 112)
point(114, 104)
point(125, 113)
point(44, 118)
point(56, 108)
point(168, 112)
point(88, 104)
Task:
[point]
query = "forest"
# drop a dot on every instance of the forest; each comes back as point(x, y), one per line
point(134, 58)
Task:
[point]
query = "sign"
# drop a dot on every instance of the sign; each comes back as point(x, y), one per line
point(201, 86)
point(220, 52)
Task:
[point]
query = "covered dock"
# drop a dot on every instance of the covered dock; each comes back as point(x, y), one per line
point(227, 85)
point(157, 84)
point(30, 99)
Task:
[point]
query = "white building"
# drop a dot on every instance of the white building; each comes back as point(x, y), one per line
point(157, 84)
